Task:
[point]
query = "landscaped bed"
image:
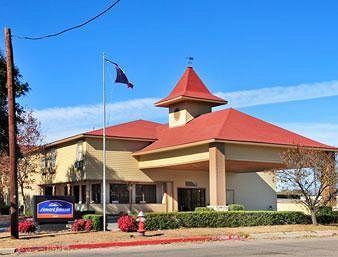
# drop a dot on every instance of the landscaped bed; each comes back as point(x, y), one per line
point(71, 238)
point(213, 219)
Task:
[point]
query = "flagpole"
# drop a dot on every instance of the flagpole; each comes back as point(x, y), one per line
point(104, 139)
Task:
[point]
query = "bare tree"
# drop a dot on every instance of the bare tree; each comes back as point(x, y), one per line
point(29, 140)
point(312, 173)
point(4, 179)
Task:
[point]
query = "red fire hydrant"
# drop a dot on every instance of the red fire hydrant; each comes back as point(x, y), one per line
point(141, 220)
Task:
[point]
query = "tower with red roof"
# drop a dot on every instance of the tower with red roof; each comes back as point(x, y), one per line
point(189, 99)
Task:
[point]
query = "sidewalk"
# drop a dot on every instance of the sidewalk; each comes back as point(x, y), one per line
point(87, 240)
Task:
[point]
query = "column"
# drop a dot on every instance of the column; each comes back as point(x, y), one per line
point(80, 194)
point(88, 193)
point(169, 197)
point(133, 193)
point(217, 182)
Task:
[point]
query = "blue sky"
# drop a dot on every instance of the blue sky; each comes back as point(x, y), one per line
point(288, 48)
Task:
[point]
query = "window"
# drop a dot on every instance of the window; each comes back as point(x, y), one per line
point(145, 193)
point(230, 195)
point(76, 193)
point(96, 193)
point(65, 190)
point(48, 190)
point(83, 194)
point(119, 193)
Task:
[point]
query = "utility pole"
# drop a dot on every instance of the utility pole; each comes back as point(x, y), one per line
point(12, 135)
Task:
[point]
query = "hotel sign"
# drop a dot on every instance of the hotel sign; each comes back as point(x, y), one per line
point(53, 208)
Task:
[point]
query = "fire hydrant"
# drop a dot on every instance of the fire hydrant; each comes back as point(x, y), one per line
point(141, 220)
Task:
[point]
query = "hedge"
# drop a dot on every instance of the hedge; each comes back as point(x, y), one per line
point(236, 207)
point(203, 209)
point(155, 221)
point(97, 221)
point(326, 215)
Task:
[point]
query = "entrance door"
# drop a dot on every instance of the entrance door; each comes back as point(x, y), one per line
point(190, 198)
point(76, 193)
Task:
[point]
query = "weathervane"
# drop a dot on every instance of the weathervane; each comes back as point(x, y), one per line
point(190, 60)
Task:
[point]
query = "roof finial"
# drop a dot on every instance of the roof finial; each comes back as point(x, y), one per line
point(190, 60)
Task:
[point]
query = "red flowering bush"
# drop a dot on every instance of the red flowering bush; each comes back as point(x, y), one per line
point(127, 223)
point(27, 226)
point(82, 225)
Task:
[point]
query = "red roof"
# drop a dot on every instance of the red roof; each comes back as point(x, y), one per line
point(190, 87)
point(229, 125)
point(138, 129)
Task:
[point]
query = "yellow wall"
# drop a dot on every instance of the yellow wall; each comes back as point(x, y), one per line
point(254, 190)
point(121, 165)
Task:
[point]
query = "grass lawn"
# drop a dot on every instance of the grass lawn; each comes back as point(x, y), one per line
point(69, 238)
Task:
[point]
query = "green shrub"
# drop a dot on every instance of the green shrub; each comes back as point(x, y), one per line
point(80, 214)
point(324, 210)
point(155, 221)
point(97, 220)
point(236, 207)
point(203, 209)
point(326, 215)
point(4, 210)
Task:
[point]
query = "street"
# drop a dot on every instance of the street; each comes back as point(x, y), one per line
point(296, 247)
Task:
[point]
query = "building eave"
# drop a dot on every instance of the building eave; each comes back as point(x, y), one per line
point(83, 136)
point(166, 103)
point(170, 148)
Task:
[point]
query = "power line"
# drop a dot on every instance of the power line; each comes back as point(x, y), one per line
point(71, 28)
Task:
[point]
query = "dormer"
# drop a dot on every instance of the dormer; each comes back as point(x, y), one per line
point(189, 99)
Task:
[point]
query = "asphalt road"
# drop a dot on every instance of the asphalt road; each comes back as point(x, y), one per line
point(277, 248)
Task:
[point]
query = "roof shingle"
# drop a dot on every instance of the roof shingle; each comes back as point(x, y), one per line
point(229, 125)
point(191, 87)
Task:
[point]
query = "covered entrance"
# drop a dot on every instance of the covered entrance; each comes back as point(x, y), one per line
point(190, 198)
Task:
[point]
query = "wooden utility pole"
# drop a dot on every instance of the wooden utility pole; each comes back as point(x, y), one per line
point(12, 135)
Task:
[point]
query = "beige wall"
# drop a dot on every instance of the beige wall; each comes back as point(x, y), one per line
point(175, 157)
point(256, 191)
point(178, 179)
point(291, 205)
point(242, 152)
point(187, 111)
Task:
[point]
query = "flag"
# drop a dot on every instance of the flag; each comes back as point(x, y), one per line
point(121, 77)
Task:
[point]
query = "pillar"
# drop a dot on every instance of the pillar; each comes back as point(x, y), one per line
point(217, 178)
point(169, 197)
point(133, 193)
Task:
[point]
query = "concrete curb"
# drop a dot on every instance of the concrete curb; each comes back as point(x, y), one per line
point(126, 243)
point(5, 251)
point(294, 234)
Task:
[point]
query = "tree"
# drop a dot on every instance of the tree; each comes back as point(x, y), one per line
point(21, 88)
point(4, 176)
point(312, 173)
point(29, 139)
